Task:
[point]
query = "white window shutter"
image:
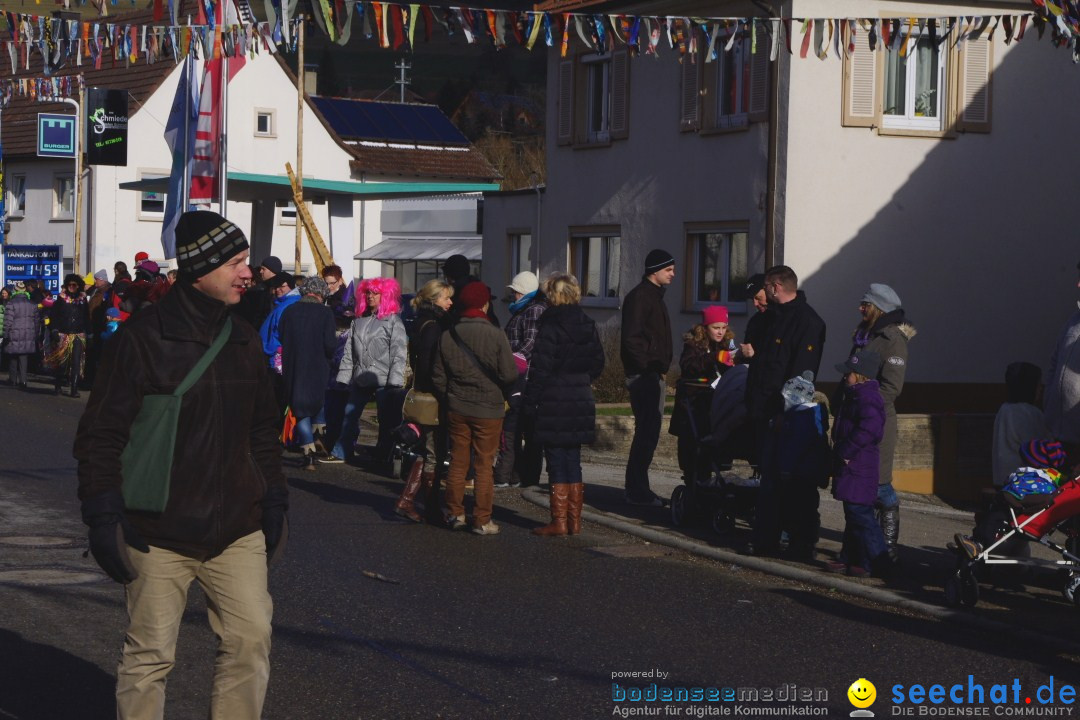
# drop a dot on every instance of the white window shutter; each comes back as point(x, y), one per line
point(974, 96)
point(620, 95)
point(564, 132)
point(690, 98)
point(861, 85)
point(759, 79)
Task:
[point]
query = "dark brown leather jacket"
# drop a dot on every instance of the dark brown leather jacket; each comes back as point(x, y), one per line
point(227, 448)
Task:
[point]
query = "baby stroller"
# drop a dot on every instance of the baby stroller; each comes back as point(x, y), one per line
point(721, 434)
point(1031, 518)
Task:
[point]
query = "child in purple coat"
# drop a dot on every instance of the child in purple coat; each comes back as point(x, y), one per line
point(857, 433)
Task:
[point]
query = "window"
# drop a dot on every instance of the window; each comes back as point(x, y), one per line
point(914, 84)
point(727, 90)
point(520, 253)
point(63, 197)
point(414, 274)
point(286, 212)
point(720, 265)
point(152, 202)
point(596, 262)
point(919, 83)
point(16, 199)
point(593, 91)
point(264, 123)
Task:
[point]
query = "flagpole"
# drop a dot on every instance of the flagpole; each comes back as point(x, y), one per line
point(299, 133)
point(186, 182)
point(224, 169)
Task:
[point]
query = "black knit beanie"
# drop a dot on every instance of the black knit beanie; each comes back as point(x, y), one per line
point(657, 259)
point(204, 242)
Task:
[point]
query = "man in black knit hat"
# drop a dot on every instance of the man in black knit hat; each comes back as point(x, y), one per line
point(646, 356)
point(226, 494)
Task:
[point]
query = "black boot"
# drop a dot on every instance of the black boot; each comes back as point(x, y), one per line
point(309, 462)
point(889, 519)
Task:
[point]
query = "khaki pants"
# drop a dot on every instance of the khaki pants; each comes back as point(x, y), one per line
point(239, 609)
point(482, 435)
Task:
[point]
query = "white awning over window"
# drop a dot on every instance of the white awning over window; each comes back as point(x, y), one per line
point(392, 249)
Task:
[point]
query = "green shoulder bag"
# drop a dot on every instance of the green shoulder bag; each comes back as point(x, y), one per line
point(146, 462)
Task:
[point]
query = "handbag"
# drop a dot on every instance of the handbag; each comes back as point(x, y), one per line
point(420, 407)
point(146, 462)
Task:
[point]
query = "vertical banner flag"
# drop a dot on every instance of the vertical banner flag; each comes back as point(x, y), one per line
point(183, 116)
point(206, 157)
point(106, 126)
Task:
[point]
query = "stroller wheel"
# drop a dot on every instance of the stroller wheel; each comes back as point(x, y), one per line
point(723, 522)
point(962, 588)
point(680, 501)
point(1071, 591)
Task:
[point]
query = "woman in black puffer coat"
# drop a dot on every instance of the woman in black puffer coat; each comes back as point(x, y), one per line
point(566, 359)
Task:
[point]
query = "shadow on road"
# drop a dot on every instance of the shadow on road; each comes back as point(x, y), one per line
point(88, 690)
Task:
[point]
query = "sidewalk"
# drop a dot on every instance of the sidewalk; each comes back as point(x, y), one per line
point(1033, 611)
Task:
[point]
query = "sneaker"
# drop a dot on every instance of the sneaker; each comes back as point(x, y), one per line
point(457, 523)
point(489, 529)
point(331, 460)
point(503, 485)
point(654, 501)
point(835, 566)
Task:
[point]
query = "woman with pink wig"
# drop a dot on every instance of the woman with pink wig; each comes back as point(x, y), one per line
point(373, 363)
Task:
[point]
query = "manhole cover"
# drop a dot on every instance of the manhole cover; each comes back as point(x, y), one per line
point(41, 541)
point(629, 551)
point(48, 576)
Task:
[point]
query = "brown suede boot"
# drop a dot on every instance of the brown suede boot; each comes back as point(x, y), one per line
point(404, 506)
point(560, 498)
point(573, 510)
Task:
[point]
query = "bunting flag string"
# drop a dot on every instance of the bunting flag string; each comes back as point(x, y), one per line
point(101, 41)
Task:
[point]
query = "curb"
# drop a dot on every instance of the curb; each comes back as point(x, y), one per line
point(539, 496)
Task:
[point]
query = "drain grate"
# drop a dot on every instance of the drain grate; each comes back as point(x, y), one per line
point(43, 542)
point(49, 575)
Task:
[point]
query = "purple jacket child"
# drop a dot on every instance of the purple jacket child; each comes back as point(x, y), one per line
point(857, 434)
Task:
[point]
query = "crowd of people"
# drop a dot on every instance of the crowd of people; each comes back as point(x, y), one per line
point(471, 401)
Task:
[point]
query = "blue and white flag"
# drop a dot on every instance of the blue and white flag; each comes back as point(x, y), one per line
point(185, 102)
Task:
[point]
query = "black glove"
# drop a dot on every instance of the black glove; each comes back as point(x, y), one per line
point(275, 521)
point(110, 535)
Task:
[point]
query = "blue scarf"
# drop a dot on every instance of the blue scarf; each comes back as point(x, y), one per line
point(515, 307)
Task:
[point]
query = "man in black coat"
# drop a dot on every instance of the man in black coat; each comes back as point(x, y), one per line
point(791, 342)
point(646, 354)
point(258, 300)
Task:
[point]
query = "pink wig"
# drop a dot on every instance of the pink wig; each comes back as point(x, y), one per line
point(389, 300)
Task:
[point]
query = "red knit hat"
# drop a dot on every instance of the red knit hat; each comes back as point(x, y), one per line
point(714, 314)
point(472, 299)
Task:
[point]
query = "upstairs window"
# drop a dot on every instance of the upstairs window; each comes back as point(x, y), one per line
point(727, 91)
point(914, 84)
point(16, 199)
point(63, 197)
point(593, 93)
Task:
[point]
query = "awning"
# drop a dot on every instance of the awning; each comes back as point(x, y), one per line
point(392, 249)
point(248, 186)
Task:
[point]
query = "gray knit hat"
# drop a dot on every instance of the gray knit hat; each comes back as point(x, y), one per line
point(205, 241)
point(316, 286)
point(883, 296)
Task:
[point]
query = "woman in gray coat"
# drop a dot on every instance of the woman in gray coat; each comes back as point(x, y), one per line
point(22, 325)
point(373, 364)
point(885, 330)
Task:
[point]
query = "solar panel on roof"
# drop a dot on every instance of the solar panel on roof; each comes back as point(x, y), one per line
point(391, 122)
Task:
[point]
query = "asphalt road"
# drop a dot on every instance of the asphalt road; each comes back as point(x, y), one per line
point(511, 626)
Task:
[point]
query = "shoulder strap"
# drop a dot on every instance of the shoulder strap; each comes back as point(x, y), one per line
point(207, 358)
point(472, 356)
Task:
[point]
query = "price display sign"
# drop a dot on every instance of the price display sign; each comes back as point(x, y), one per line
point(34, 262)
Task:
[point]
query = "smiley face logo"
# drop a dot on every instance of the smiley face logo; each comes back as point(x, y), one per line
point(862, 693)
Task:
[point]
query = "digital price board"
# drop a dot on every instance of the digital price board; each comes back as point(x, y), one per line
point(34, 262)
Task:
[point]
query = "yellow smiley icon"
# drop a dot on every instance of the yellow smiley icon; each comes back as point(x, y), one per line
point(862, 693)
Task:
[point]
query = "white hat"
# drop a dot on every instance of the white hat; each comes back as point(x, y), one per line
point(524, 283)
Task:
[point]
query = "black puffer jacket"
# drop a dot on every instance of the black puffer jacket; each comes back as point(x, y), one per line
point(566, 358)
point(227, 449)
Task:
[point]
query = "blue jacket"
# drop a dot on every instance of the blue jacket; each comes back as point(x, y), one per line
point(802, 448)
point(860, 425)
point(269, 331)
